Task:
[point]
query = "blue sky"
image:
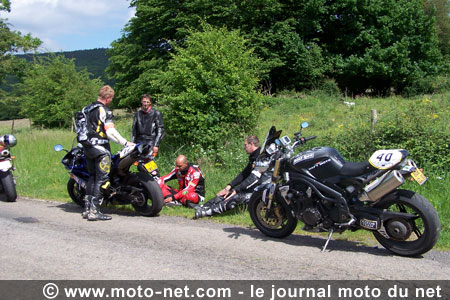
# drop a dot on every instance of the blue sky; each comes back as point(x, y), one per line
point(67, 25)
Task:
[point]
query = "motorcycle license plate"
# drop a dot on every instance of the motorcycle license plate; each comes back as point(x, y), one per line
point(5, 165)
point(151, 166)
point(419, 177)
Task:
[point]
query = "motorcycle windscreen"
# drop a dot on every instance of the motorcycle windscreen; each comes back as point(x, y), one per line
point(271, 136)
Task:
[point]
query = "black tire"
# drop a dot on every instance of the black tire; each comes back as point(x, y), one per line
point(8, 186)
point(150, 202)
point(279, 225)
point(417, 236)
point(76, 192)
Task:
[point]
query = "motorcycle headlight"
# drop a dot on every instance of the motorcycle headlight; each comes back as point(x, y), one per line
point(4, 153)
point(271, 149)
point(262, 166)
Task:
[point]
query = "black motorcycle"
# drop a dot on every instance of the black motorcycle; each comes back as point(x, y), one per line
point(7, 182)
point(139, 189)
point(329, 194)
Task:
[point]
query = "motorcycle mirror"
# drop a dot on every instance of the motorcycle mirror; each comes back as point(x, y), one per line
point(58, 147)
point(303, 125)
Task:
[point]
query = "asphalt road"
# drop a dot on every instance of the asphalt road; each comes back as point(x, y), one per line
point(49, 240)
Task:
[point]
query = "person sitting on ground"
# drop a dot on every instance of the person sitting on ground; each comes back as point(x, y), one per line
point(191, 182)
point(239, 190)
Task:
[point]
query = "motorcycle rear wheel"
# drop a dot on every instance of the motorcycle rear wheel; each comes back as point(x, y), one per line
point(76, 192)
point(150, 199)
point(8, 186)
point(279, 225)
point(409, 237)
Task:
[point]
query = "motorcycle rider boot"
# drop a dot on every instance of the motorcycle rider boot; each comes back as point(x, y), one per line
point(192, 204)
point(214, 209)
point(87, 206)
point(202, 212)
point(94, 211)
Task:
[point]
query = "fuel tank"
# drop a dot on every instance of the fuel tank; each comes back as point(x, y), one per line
point(321, 162)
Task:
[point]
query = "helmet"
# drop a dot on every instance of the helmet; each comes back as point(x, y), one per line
point(8, 140)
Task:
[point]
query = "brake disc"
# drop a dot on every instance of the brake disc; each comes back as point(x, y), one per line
point(273, 221)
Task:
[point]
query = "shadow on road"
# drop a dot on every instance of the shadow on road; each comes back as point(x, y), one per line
point(74, 208)
point(309, 241)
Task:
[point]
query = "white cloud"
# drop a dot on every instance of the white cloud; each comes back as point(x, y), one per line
point(70, 24)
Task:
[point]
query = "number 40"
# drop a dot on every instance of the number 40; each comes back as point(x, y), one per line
point(385, 156)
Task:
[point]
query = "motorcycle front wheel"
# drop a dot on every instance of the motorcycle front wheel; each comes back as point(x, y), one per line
point(409, 237)
point(8, 186)
point(76, 192)
point(149, 201)
point(277, 223)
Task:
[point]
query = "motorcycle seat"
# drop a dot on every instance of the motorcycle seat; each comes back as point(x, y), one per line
point(354, 169)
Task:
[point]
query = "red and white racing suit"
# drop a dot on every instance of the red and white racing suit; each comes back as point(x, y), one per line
point(191, 185)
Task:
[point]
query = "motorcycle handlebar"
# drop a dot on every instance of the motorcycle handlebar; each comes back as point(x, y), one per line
point(308, 138)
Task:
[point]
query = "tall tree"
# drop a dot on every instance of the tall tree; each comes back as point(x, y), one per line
point(380, 44)
point(440, 10)
point(363, 44)
point(12, 42)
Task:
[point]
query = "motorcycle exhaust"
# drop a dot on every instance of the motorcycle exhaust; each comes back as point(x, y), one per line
point(382, 186)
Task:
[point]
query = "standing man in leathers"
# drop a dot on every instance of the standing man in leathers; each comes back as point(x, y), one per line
point(100, 129)
point(148, 127)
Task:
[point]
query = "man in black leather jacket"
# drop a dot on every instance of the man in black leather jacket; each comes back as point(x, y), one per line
point(239, 190)
point(148, 127)
point(100, 129)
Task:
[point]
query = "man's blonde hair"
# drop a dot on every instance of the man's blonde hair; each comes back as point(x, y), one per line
point(105, 91)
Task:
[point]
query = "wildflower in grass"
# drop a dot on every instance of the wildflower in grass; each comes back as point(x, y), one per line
point(302, 119)
point(433, 116)
point(426, 101)
point(340, 126)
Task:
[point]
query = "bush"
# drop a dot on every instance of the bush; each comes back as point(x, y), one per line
point(53, 90)
point(209, 90)
point(417, 129)
point(330, 88)
point(427, 85)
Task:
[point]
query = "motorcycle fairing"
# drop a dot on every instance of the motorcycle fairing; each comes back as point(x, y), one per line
point(5, 165)
point(125, 151)
point(386, 159)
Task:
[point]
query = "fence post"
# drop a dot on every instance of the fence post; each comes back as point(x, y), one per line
point(374, 119)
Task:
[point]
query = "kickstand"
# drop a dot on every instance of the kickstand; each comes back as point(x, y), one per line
point(328, 240)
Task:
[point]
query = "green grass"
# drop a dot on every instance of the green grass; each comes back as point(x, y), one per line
point(40, 174)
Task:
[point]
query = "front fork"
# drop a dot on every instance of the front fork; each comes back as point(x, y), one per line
point(273, 186)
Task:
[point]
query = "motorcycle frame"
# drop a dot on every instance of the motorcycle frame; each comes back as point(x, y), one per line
point(356, 213)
